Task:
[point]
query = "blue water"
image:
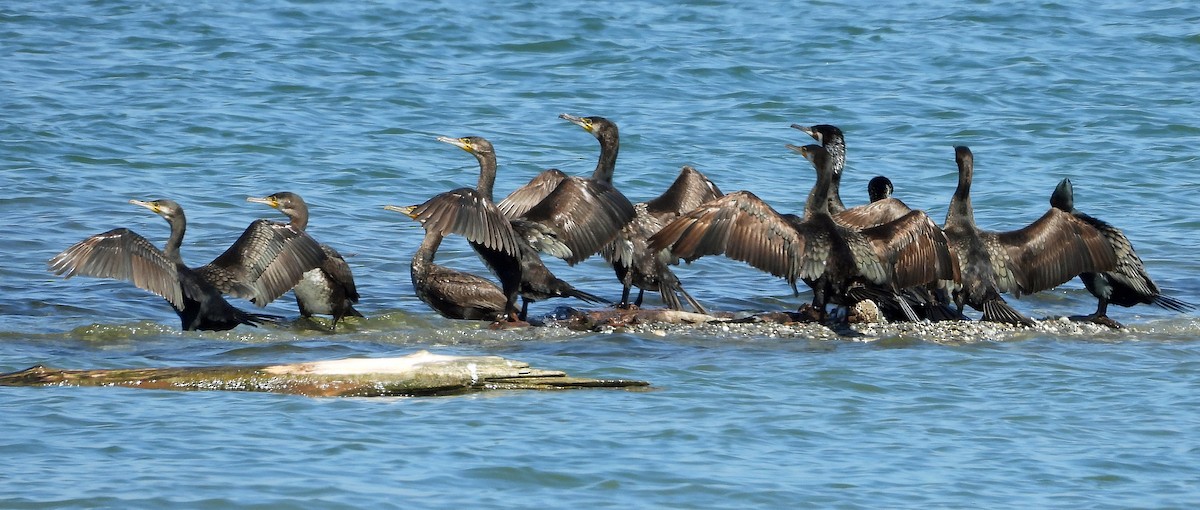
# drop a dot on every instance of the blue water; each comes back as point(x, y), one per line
point(210, 102)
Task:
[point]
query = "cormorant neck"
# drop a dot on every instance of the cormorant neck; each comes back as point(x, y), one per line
point(178, 226)
point(819, 198)
point(298, 217)
point(836, 148)
point(610, 144)
point(487, 175)
point(425, 253)
point(960, 203)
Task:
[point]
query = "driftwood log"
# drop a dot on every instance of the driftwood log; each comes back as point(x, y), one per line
point(418, 374)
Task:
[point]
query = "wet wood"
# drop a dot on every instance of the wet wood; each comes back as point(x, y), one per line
point(418, 374)
point(598, 320)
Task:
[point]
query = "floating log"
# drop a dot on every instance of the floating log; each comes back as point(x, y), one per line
point(419, 374)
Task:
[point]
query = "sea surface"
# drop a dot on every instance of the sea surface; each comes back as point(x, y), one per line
point(208, 102)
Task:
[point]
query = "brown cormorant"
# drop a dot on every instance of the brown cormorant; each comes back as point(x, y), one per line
point(625, 248)
point(1126, 285)
point(508, 247)
point(328, 289)
point(584, 214)
point(814, 248)
point(1046, 253)
point(267, 260)
point(635, 264)
point(453, 294)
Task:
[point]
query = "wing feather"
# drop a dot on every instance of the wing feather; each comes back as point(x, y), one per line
point(526, 197)
point(1053, 250)
point(742, 227)
point(122, 254)
point(265, 262)
point(465, 212)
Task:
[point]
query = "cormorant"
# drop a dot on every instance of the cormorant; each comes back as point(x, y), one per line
point(827, 256)
point(328, 289)
point(633, 261)
point(585, 214)
point(453, 294)
point(508, 247)
point(881, 209)
point(1128, 283)
point(873, 213)
point(1043, 255)
point(267, 260)
point(625, 247)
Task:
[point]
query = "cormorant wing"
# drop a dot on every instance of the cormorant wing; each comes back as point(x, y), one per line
point(266, 261)
point(915, 249)
point(336, 267)
point(465, 212)
point(1053, 250)
point(872, 214)
point(584, 214)
point(124, 255)
point(690, 189)
point(743, 227)
point(526, 197)
point(1129, 270)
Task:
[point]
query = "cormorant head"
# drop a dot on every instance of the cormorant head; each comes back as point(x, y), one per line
point(879, 188)
point(965, 160)
point(1063, 197)
point(597, 126)
point(288, 203)
point(474, 144)
point(407, 210)
point(814, 153)
point(824, 134)
point(168, 209)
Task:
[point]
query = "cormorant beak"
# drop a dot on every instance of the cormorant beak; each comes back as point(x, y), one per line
point(578, 121)
point(265, 200)
point(802, 150)
point(148, 205)
point(808, 131)
point(407, 211)
point(457, 142)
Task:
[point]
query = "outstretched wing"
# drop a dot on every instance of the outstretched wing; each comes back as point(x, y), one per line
point(1053, 250)
point(742, 227)
point(584, 214)
point(690, 189)
point(265, 262)
point(122, 254)
point(915, 250)
point(529, 195)
point(873, 214)
point(465, 212)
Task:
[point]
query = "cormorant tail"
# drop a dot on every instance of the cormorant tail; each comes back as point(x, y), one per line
point(1173, 304)
point(996, 310)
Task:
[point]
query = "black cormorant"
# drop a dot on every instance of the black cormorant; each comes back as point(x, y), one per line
point(328, 289)
point(508, 247)
point(453, 294)
point(267, 260)
point(1126, 285)
point(1046, 253)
